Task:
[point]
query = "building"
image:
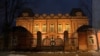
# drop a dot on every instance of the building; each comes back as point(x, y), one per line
point(52, 28)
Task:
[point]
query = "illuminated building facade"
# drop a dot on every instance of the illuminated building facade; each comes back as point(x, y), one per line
point(52, 28)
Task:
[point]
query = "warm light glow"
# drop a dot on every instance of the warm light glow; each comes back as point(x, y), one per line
point(67, 27)
point(36, 27)
point(51, 27)
point(44, 28)
point(60, 28)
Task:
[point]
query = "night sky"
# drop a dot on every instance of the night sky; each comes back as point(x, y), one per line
point(14, 7)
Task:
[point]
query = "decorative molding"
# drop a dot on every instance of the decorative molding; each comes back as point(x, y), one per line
point(57, 16)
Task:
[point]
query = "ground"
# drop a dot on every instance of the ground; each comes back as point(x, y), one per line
point(49, 54)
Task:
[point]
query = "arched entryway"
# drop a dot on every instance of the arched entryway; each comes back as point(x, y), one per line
point(86, 38)
point(20, 39)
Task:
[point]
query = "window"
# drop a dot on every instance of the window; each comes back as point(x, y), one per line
point(59, 27)
point(44, 28)
point(36, 27)
point(14, 41)
point(34, 42)
point(52, 28)
point(46, 41)
point(73, 42)
point(91, 41)
point(67, 27)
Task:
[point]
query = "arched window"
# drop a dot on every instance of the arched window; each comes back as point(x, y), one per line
point(59, 42)
point(46, 41)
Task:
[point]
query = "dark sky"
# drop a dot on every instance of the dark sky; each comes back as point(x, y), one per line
point(96, 14)
point(14, 7)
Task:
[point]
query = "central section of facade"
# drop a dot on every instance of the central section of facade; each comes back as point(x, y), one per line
point(52, 27)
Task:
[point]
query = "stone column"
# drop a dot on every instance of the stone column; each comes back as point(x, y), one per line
point(39, 40)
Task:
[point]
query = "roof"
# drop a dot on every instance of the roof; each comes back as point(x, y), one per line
point(27, 10)
point(74, 10)
point(84, 28)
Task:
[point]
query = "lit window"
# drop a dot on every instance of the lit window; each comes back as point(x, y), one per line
point(36, 27)
point(44, 28)
point(91, 41)
point(67, 27)
point(59, 27)
point(52, 28)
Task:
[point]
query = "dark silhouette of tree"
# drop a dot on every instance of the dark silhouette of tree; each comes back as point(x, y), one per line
point(9, 19)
